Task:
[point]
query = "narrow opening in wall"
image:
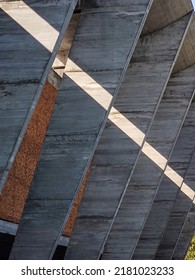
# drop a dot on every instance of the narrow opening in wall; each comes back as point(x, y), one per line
point(59, 253)
point(6, 242)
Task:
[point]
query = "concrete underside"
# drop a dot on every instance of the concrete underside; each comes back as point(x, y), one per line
point(117, 138)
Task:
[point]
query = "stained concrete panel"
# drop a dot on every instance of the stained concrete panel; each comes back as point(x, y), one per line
point(116, 153)
point(97, 63)
point(27, 51)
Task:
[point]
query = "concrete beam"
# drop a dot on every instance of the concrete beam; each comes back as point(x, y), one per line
point(117, 152)
point(7, 227)
point(11, 228)
point(28, 48)
point(93, 74)
point(183, 201)
point(165, 12)
point(186, 235)
point(168, 191)
point(54, 79)
point(187, 57)
point(149, 239)
point(148, 171)
point(180, 84)
point(64, 50)
point(63, 240)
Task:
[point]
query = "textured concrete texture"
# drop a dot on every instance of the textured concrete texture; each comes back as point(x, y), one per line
point(15, 191)
point(116, 154)
point(164, 13)
point(31, 46)
point(183, 82)
point(74, 130)
point(166, 189)
point(18, 182)
point(73, 214)
point(100, 159)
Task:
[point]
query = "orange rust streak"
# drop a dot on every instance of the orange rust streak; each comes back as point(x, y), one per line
point(15, 191)
point(71, 220)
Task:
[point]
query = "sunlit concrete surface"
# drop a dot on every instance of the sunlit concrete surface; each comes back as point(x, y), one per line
point(124, 72)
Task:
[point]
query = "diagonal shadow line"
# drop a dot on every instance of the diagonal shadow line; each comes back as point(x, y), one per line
point(136, 37)
point(115, 116)
point(168, 193)
point(54, 47)
point(133, 132)
point(47, 30)
point(25, 23)
point(183, 214)
point(161, 161)
point(18, 142)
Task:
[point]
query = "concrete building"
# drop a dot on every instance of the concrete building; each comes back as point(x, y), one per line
point(97, 129)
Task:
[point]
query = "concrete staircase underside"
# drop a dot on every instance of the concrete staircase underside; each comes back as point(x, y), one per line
point(124, 113)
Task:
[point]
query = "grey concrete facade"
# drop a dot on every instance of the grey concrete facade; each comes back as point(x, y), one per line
point(116, 154)
point(31, 48)
point(125, 72)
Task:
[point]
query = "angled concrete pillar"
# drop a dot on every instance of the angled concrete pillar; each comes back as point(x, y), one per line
point(159, 213)
point(164, 12)
point(143, 185)
point(185, 236)
point(105, 39)
point(178, 222)
point(11, 229)
point(30, 35)
point(117, 151)
point(181, 83)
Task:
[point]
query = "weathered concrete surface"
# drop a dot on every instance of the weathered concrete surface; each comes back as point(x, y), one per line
point(143, 185)
point(21, 173)
point(164, 12)
point(180, 160)
point(7, 227)
point(184, 197)
point(150, 237)
point(116, 152)
point(187, 57)
point(15, 190)
point(11, 228)
point(98, 61)
point(180, 84)
point(186, 235)
point(64, 50)
point(27, 51)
